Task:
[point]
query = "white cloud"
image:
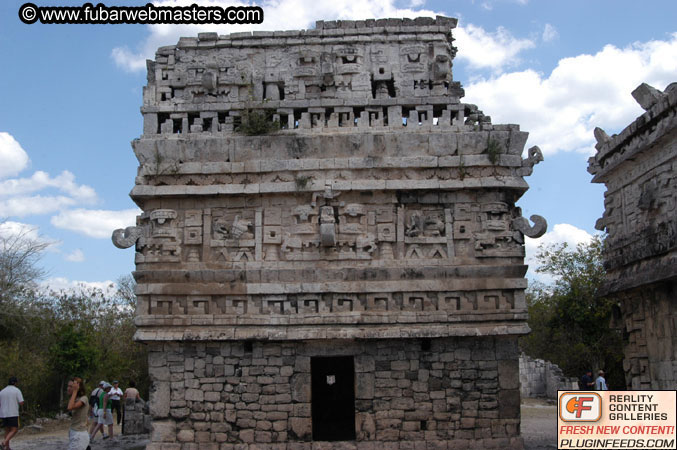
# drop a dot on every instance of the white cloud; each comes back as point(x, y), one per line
point(561, 233)
point(489, 4)
point(75, 256)
point(60, 284)
point(15, 193)
point(488, 50)
point(10, 229)
point(560, 111)
point(549, 33)
point(40, 180)
point(98, 224)
point(128, 60)
point(276, 17)
point(37, 204)
point(13, 158)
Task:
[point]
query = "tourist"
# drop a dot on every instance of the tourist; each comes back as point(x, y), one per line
point(104, 413)
point(587, 382)
point(10, 400)
point(78, 437)
point(115, 395)
point(600, 382)
point(131, 392)
point(94, 405)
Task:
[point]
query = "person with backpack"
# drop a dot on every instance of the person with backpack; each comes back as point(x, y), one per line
point(93, 405)
point(104, 413)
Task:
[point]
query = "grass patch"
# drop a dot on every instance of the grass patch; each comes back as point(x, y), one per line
point(302, 181)
point(493, 151)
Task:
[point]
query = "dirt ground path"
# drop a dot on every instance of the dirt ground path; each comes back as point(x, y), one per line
point(54, 436)
point(539, 424)
point(539, 427)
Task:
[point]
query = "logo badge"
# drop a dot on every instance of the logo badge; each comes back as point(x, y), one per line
point(580, 407)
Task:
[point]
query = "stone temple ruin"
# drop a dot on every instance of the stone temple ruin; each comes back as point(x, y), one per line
point(638, 167)
point(355, 277)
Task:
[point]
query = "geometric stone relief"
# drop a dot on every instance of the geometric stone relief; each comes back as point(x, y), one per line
point(233, 234)
point(363, 215)
point(162, 243)
point(495, 238)
point(347, 231)
point(327, 303)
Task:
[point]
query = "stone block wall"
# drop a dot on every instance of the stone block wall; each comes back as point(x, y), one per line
point(540, 378)
point(137, 418)
point(374, 217)
point(649, 322)
point(639, 168)
point(446, 393)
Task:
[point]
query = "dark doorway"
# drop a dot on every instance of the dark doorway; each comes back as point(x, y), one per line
point(333, 398)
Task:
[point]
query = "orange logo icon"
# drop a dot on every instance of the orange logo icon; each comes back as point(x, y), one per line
point(580, 406)
point(577, 404)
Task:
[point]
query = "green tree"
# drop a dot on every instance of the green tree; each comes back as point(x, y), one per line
point(570, 322)
point(46, 337)
point(72, 352)
point(107, 318)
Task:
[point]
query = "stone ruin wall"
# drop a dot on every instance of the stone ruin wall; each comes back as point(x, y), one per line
point(379, 224)
point(462, 393)
point(638, 167)
point(540, 378)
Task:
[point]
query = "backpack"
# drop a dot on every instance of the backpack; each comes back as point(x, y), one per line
point(94, 398)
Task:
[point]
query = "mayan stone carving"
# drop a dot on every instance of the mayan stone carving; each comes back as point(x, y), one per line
point(330, 248)
point(638, 167)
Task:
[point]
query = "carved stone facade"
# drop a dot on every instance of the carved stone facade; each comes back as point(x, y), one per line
point(638, 167)
point(373, 238)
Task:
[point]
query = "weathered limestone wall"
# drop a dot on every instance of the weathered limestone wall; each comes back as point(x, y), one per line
point(540, 378)
point(307, 291)
point(379, 213)
point(638, 167)
point(464, 391)
point(137, 419)
point(649, 321)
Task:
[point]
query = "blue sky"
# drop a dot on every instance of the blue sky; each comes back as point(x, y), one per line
point(70, 98)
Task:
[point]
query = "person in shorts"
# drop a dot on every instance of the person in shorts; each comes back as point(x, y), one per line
point(93, 406)
point(10, 400)
point(104, 413)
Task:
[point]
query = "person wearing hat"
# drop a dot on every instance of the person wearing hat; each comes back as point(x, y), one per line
point(94, 406)
point(115, 395)
point(10, 400)
point(600, 382)
point(105, 416)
